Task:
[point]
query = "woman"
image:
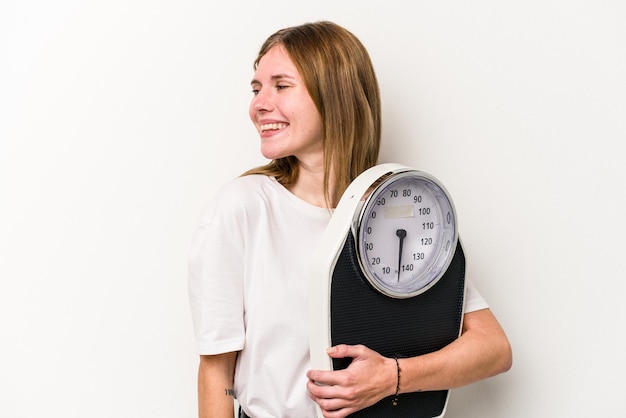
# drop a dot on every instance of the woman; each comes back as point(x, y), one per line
point(316, 107)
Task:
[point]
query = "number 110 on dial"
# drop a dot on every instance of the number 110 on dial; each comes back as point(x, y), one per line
point(406, 234)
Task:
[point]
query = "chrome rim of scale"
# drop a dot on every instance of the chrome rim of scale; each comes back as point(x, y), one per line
point(406, 233)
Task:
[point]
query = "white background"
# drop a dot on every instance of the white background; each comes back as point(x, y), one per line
point(119, 119)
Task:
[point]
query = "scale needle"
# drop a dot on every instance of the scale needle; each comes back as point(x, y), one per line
point(400, 233)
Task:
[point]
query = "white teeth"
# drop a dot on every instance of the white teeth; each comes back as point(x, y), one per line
point(272, 126)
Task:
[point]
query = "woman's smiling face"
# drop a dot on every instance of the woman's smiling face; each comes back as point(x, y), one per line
point(282, 110)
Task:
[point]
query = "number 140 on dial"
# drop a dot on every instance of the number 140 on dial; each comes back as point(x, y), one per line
point(406, 234)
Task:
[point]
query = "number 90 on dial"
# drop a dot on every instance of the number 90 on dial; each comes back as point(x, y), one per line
point(406, 234)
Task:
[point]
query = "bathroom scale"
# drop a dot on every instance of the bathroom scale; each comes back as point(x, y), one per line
point(389, 273)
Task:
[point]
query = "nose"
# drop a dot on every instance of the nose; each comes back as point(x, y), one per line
point(262, 101)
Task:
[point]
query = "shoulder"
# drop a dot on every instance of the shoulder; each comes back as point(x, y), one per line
point(246, 190)
point(240, 196)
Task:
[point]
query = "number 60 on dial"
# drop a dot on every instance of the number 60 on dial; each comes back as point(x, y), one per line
point(406, 233)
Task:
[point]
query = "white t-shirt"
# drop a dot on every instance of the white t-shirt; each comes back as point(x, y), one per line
point(248, 273)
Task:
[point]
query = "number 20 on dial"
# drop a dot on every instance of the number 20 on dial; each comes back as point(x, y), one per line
point(406, 234)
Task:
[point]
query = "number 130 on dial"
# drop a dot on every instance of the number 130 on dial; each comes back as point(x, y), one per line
point(406, 234)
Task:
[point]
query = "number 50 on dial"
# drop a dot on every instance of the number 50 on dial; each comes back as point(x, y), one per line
point(406, 234)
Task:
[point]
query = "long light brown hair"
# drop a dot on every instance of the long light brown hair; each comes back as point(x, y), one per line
point(340, 78)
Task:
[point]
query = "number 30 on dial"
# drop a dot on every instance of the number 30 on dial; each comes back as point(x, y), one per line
point(406, 234)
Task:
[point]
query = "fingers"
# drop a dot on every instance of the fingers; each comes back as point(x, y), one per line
point(344, 350)
point(330, 401)
point(330, 377)
point(342, 392)
point(322, 378)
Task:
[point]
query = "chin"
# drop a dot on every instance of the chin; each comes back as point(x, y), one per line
point(272, 154)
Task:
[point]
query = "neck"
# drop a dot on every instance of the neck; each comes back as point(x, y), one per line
point(310, 185)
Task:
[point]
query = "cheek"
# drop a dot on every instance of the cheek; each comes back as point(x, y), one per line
point(314, 117)
point(315, 123)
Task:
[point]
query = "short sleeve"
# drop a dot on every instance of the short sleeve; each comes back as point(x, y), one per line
point(216, 291)
point(473, 299)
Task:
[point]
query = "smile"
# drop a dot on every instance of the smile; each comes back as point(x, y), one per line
point(272, 127)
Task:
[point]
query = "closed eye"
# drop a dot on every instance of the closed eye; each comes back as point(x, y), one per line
point(256, 87)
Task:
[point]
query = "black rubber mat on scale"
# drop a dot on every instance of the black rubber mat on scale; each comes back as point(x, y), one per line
point(396, 327)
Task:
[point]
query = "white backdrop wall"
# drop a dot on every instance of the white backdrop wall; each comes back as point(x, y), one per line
point(119, 119)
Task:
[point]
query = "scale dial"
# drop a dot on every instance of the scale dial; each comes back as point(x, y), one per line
point(406, 234)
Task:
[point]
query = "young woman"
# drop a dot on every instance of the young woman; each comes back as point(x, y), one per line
point(316, 107)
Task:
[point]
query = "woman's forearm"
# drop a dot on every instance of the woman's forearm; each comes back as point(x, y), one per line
point(215, 386)
point(481, 351)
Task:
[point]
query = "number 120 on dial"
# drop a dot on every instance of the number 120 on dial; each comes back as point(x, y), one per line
point(406, 234)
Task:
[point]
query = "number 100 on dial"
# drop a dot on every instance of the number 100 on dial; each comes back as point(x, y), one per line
point(406, 234)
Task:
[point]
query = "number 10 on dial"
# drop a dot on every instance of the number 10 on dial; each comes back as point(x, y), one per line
point(406, 234)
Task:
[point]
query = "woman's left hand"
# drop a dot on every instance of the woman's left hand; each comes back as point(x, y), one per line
point(369, 378)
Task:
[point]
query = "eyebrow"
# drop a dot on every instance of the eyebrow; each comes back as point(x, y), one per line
point(274, 77)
